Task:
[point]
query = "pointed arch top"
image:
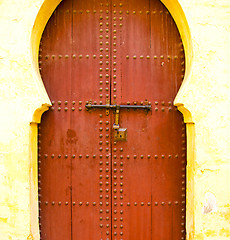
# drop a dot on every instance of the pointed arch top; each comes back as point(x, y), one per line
point(174, 7)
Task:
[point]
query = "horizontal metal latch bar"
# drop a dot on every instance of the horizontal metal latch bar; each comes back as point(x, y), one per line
point(90, 106)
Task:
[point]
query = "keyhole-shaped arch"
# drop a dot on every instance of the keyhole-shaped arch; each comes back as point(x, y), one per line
point(42, 17)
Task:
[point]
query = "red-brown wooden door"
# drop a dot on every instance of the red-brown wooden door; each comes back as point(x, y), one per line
point(92, 187)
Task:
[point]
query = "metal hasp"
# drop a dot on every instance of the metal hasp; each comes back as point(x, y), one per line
point(120, 134)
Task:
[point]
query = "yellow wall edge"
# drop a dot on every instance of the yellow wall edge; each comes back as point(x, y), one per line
point(179, 17)
point(38, 113)
point(42, 18)
point(186, 113)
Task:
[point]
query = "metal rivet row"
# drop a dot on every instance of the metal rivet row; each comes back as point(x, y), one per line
point(166, 105)
point(168, 57)
point(116, 211)
point(115, 156)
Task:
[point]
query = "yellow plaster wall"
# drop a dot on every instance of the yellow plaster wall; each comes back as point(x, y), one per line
point(204, 99)
point(207, 96)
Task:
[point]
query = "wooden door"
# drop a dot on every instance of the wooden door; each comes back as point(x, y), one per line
point(106, 54)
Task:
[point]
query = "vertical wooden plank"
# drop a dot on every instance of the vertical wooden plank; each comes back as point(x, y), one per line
point(90, 81)
point(131, 179)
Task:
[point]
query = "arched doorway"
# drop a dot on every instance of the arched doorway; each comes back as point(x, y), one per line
point(106, 63)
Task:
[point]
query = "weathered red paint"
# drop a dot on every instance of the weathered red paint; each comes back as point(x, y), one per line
point(92, 187)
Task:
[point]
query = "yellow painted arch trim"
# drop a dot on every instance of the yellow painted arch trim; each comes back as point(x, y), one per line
point(47, 7)
point(46, 10)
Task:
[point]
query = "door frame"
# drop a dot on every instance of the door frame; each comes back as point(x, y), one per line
point(45, 10)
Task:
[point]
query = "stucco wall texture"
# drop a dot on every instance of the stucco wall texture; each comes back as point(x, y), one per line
point(205, 95)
